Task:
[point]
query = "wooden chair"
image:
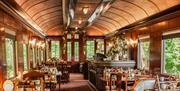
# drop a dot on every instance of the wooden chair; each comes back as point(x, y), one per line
point(118, 81)
point(37, 78)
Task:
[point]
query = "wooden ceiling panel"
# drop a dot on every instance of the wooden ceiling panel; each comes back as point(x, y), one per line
point(55, 31)
point(129, 11)
point(89, 1)
point(104, 25)
point(33, 11)
point(46, 13)
point(48, 16)
point(50, 24)
point(123, 21)
point(94, 32)
point(130, 7)
point(164, 4)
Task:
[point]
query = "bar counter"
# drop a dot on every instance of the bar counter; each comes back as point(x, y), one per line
point(95, 69)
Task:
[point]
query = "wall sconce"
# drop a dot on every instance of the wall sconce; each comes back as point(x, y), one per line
point(2, 29)
point(43, 45)
point(38, 44)
point(8, 85)
point(132, 42)
point(85, 10)
point(32, 42)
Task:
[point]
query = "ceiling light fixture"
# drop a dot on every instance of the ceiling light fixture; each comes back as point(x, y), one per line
point(80, 21)
point(85, 10)
point(76, 28)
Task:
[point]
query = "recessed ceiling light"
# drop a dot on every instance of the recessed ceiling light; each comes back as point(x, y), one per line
point(85, 10)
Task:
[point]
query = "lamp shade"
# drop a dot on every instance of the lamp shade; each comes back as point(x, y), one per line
point(8, 85)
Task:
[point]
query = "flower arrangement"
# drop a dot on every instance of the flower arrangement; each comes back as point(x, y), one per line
point(119, 46)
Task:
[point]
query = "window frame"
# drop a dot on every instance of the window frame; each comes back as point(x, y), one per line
point(75, 51)
point(25, 45)
point(12, 37)
point(69, 60)
point(59, 43)
point(143, 38)
point(93, 49)
point(165, 36)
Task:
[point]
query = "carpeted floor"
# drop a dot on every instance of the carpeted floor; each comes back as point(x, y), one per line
point(77, 83)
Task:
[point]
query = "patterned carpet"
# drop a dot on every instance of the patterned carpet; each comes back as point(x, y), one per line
point(77, 83)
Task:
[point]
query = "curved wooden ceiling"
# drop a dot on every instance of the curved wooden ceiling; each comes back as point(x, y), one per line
point(46, 13)
point(124, 12)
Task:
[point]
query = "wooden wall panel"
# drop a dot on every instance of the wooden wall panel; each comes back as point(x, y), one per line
point(7, 21)
point(174, 23)
point(155, 31)
point(81, 48)
point(2, 68)
point(155, 51)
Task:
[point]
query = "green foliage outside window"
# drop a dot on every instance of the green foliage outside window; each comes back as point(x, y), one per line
point(144, 54)
point(55, 49)
point(146, 51)
point(90, 49)
point(69, 51)
point(76, 51)
point(25, 57)
point(172, 56)
point(9, 43)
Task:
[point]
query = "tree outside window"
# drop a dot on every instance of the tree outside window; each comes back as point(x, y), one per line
point(172, 56)
point(25, 57)
point(55, 49)
point(69, 55)
point(76, 51)
point(144, 49)
point(90, 49)
point(9, 44)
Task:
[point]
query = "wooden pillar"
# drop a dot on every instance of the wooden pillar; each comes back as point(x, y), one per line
point(81, 48)
point(155, 52)
point(20, 57)
point(2, 60)
point(64, 48)
point(105, 44)
point(72, 48)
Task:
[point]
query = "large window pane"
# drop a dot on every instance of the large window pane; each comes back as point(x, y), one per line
point(143, 49)
point(10, 57)
point(76, 51)
point(100, 46)
point(25, 57)
point(90, 47)
point(172, 56)
point(55, 49)
point(69, 51)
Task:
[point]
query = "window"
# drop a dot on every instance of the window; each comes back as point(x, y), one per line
point(171, 54)
point(69, 51)
point(100, 46)
point(25, 57)
point(143, 54)
point(10, 59)
point(90, 49)
point(55, 49)
point(76, 51)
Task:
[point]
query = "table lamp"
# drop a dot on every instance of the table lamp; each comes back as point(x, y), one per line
point(8, 85)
